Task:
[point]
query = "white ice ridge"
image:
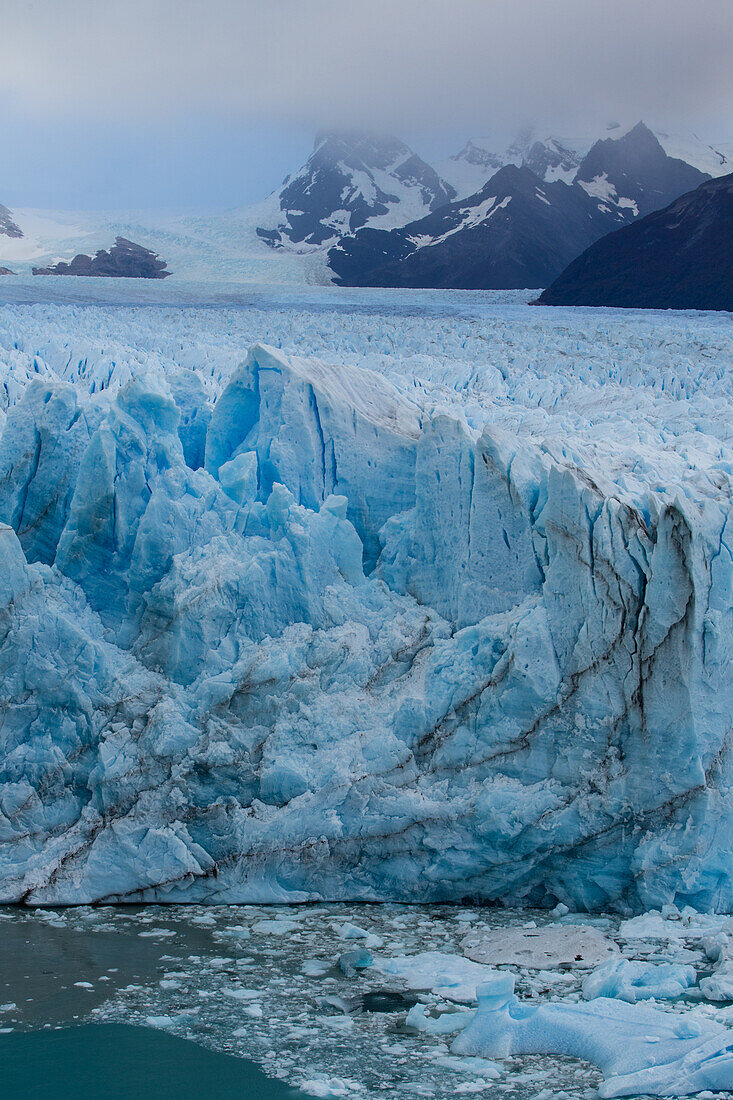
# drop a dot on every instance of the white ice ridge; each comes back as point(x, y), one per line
point(294, 631)
point(640, 1050)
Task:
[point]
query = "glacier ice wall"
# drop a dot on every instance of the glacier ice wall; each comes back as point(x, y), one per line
point(316, 638)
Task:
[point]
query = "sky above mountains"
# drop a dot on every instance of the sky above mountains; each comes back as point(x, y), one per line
point(185, 103)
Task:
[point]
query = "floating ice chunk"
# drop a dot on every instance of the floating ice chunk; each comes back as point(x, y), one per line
point(242, 994)
point(328, 1086)
point(719, 985)
point(447, 1023)
point(689, 925)
point(275, 927)
point(159, 1021)
point(540, 948)
point(349, 931)
point(639, 981)
point(639, 1050)
point(350, 961)
point(315, 968)
point(480, 1066)
point(206, 920)
point(450, 976)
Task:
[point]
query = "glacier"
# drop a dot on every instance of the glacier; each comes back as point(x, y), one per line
point(337, 600)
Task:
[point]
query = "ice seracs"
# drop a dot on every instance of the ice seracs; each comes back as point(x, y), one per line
point(275, 629)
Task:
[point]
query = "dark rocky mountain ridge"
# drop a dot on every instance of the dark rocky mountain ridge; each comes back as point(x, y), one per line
point(8, 228)
point(516, 232)
point(677, 258)
point(532, 229)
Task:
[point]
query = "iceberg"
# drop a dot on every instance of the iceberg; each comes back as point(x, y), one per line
point(279, 630)
point(640, 1050)
point(639, 981)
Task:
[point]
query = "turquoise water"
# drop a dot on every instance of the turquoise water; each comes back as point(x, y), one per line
point(121, 1062)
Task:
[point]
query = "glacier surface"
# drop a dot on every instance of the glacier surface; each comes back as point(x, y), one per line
point(450, 618)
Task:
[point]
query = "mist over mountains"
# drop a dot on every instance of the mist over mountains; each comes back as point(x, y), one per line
point(367, 210)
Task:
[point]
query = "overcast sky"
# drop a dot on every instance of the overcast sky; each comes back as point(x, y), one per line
point(122, 103)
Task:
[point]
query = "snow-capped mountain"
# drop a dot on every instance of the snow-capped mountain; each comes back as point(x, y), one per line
point(519, 230)
point(715, 159)
point(515, 232)
point(633, 174)
point(550, 157)
point(8, 227)
point(557, 157)
point(677, 258)
point(351, 180)
point(469, 169)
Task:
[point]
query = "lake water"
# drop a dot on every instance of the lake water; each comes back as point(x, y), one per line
point(120, 1062)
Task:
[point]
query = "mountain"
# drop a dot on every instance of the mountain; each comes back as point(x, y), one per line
point(555, 157)
point(633, 173)
point(519, 230)
point(550, 158)
point(515, 232)
point(468, 170)
point(124, 260)
point(8, 228)
point(677, 258)
point(353, 179)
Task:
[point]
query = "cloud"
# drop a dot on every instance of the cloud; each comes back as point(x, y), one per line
point(468, 65)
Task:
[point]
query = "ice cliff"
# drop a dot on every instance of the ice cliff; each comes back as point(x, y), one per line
point(318, 639)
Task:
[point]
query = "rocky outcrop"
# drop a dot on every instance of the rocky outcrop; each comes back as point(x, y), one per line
point(124, 260)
